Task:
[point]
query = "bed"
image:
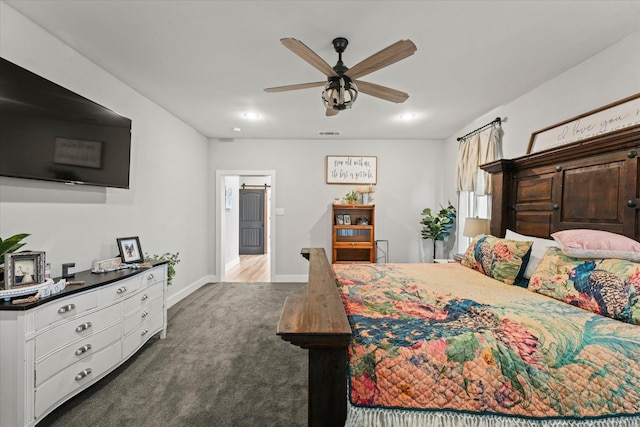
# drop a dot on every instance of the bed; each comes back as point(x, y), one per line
point(464, 344)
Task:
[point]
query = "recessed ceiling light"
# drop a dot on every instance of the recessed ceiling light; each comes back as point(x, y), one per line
point(251, 115)
point(407, 116)
point(236, 130)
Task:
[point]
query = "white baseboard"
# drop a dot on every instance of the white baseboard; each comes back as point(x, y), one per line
point(185, 292)
point(232, 263)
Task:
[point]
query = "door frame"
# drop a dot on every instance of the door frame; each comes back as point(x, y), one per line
point(219, 210)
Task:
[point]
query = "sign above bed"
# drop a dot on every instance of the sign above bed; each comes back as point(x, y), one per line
point(615, 116)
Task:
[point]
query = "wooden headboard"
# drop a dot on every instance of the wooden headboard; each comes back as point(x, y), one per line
point(594, 183)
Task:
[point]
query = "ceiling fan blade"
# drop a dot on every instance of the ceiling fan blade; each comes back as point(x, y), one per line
point(382, 92)
point(303, 51)
point(331, 112)
point(294, 87)
point(387, 56)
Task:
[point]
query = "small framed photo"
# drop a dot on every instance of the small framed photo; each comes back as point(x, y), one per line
point(347, 219)
point(24, 269)
point(130, 250)
point(339, 219)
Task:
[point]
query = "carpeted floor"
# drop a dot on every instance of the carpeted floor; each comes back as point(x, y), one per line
point(222, 364)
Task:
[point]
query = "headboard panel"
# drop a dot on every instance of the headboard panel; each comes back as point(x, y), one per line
point(594, 183)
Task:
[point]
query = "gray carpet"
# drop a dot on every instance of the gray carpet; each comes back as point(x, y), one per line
point(220, 365)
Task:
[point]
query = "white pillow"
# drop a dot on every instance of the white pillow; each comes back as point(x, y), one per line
point(538, 249)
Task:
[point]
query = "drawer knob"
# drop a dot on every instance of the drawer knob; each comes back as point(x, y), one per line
point(83, 349)
point(556, 206)
point(144, 332)
point(144, 297)
point(631, 154)
point(66, 308)
point(145, 314)
point(121, 290)
point(150, 276)
point(632, 203)
point(83, 327)
point(83, 374)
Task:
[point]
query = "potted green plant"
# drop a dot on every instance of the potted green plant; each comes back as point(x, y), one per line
point(351, 197)
point(438, 226)
point(172, 260)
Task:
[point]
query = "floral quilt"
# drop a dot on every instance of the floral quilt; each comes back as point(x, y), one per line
point(445, 337)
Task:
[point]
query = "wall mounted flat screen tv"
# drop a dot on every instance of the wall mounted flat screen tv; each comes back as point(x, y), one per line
point(50, 133)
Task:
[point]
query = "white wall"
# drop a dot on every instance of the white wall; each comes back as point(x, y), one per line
point(409, 179)
point(609, 76)
point(166, 205)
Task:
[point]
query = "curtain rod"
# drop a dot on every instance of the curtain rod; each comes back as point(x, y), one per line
point(496, 121)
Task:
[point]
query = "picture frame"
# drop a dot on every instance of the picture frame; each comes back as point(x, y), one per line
point(351, 169)
point(130, 250)
point(339, 219)
point(608, 118)
point(24, 268)
point(347, 219)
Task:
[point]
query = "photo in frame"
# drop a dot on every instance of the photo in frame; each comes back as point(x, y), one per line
point(339, 219)
point(24, 268)
point(130, 250)
point(347, 219)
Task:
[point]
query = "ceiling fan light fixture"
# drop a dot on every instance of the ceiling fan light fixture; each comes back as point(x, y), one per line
point(339, 93)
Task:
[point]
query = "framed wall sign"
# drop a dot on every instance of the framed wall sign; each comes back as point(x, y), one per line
point(617, 115)
point(352, 170)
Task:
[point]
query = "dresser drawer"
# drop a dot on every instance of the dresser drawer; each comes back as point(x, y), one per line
point(64, 308)
point(155, 275)
point(79, 350)
point(75, 377)
point(121, 290)
point(142, 314)
point(141, 334)
point(76, 329)
point(143, 298)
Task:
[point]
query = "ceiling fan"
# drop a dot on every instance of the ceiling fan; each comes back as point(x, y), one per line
point(342, 85)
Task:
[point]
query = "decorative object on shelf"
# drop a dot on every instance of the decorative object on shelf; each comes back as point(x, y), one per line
point(7, 246)
point(437, 227)
point(351, 197)
point(362, 220)
point(366, 193)
point(347, 219)
point(26, 290)
point(24, 268)
point(106, 265)
point(130, 250)
point(339, 219)
point(68, 270)
point(172, 260)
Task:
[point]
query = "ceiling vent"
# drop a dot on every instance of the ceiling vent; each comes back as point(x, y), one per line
point(329, 133)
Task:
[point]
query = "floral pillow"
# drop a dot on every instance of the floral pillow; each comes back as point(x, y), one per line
point(503, 259)
point(610, 287)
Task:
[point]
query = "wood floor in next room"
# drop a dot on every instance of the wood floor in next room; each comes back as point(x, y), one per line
point(252, 268)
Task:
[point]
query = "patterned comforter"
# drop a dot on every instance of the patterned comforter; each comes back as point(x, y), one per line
point(445, 337)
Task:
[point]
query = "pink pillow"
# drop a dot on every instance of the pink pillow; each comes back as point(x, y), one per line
point(585, 243)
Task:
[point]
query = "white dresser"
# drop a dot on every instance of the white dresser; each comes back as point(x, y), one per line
point(53, 349)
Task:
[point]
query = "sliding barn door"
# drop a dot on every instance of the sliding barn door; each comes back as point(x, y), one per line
point(252, 221)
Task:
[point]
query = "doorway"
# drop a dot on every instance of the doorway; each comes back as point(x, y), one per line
point(256, 261)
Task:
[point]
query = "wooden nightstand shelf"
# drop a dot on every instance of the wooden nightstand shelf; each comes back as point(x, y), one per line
point(353, 233)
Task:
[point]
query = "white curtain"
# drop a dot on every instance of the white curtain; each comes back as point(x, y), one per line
point(482, 147)
point(474, 184)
